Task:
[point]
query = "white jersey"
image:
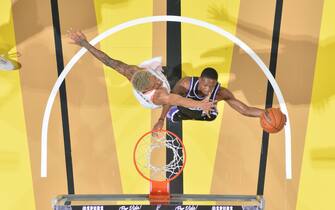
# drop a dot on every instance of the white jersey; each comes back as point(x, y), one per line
point(154, 66)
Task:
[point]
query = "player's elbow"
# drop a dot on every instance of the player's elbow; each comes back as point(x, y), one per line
point(212, 118)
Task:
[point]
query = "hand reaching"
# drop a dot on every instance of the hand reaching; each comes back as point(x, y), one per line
point(159, 125)
point(267, 116)
point(157, 130)
point(207, 110)
point(77, 37)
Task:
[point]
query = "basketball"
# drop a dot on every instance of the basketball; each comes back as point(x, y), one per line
point(278, 120)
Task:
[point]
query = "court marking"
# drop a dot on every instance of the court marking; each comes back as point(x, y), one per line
point(167, 18)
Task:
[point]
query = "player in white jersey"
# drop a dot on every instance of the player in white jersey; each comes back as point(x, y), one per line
point(151, 87)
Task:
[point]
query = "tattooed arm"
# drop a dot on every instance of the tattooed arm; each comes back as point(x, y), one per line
point(126, 70)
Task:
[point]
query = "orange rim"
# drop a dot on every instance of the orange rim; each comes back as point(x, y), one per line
point(184, 155)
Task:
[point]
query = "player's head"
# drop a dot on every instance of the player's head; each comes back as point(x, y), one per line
point(144, 81)
point(207, 80)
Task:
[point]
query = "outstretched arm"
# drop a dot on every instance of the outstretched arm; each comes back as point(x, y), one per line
point(162, 97)
point(126, 70)
point(226, 95)
point(180, 88)
point(160, 122)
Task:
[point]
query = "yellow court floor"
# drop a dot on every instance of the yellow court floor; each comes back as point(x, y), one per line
point(100, 118)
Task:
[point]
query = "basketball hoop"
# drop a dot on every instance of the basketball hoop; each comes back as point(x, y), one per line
point(150, 162)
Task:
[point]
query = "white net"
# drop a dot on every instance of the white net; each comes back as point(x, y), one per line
point(159, 156)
